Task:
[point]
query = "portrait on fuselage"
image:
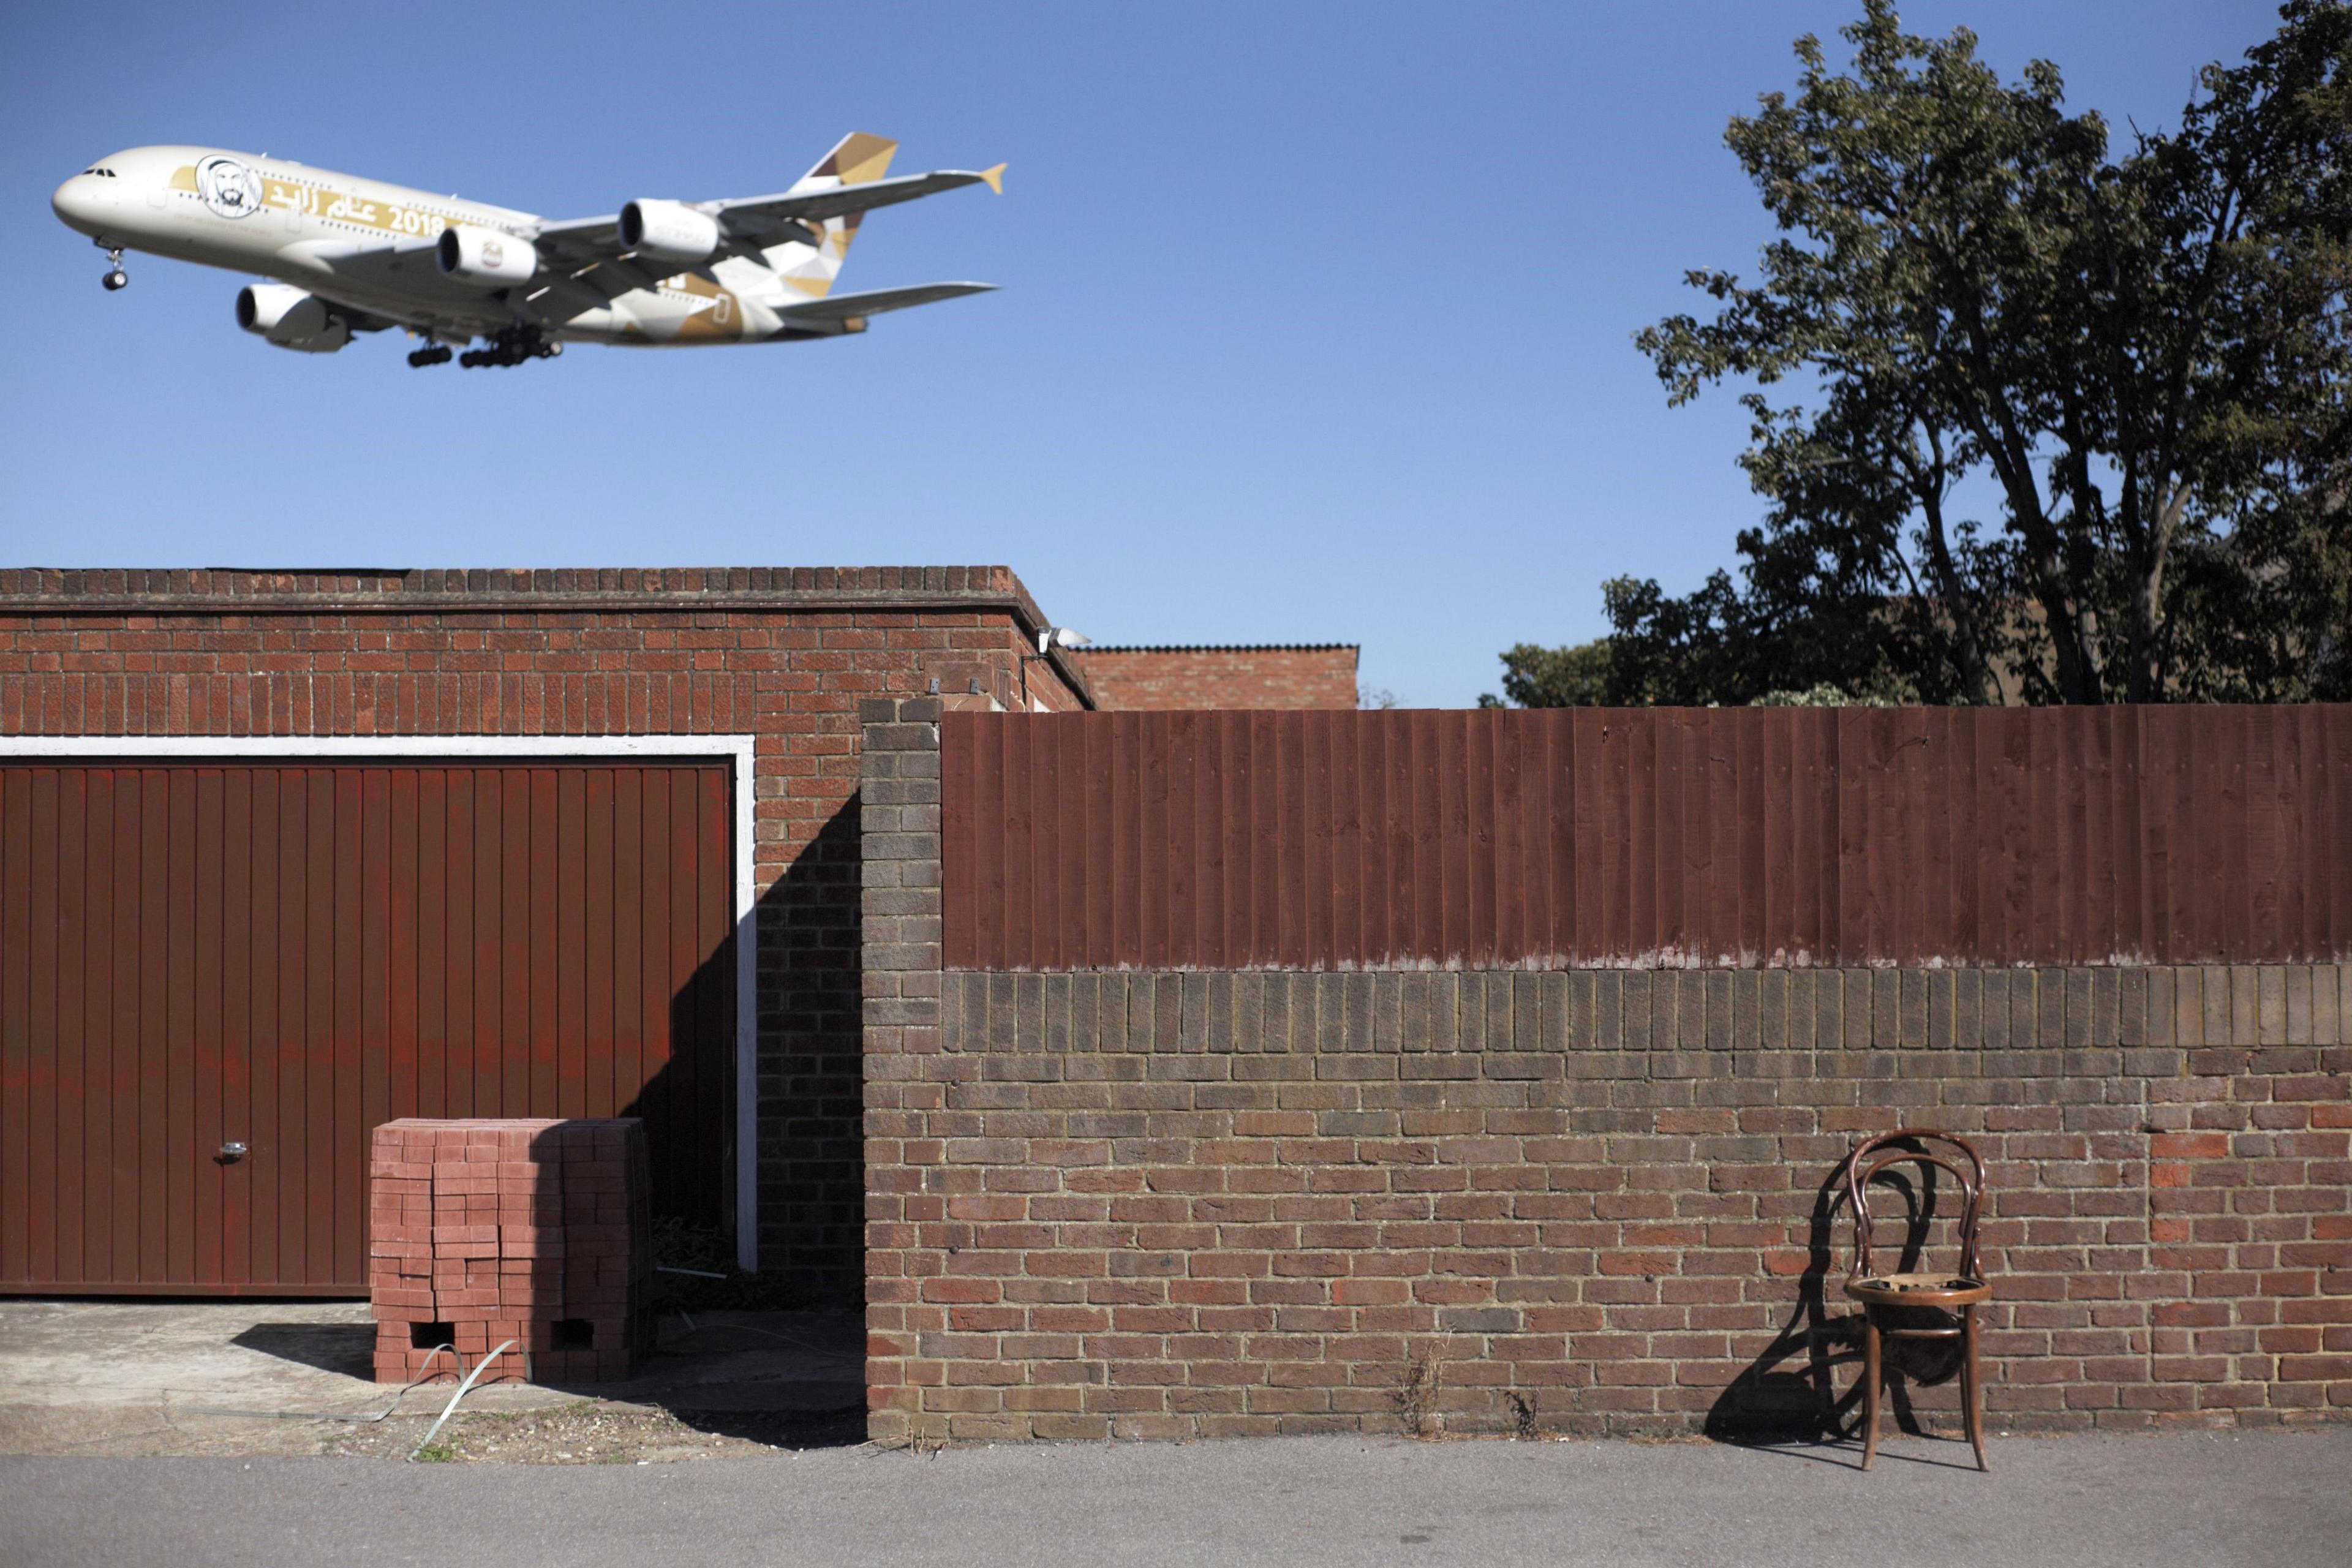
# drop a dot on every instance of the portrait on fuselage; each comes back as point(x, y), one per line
point(229, 188)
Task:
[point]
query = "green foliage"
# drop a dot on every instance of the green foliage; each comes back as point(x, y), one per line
point(2141, 361)
point(1533, 676)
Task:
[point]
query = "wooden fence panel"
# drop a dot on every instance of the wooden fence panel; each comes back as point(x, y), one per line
point(1653, 837)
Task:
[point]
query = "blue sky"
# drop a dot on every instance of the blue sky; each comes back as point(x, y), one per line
point(1315, 322)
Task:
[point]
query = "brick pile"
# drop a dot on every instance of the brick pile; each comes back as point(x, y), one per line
point(531, 1230)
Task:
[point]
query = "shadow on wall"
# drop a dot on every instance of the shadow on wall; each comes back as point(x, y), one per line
point(1807, 1385)
point(811, 1078)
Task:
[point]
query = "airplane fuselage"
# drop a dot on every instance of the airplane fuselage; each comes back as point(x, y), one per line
point(369, 248)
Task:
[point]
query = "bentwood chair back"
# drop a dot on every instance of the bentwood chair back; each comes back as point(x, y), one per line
point(1918, 1303)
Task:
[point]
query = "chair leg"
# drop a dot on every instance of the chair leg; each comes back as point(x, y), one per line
point(1870, 1379)
point(1972, 1369)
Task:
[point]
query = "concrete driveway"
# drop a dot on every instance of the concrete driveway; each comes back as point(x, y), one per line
point(138, 1377)
point(2277, 1500)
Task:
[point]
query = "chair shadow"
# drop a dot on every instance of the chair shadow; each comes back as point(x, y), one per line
point(1788, 1400)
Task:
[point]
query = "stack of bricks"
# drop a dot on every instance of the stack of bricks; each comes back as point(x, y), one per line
point(539, 1232)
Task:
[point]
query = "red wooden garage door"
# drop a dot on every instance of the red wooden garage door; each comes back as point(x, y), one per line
point(198, 954)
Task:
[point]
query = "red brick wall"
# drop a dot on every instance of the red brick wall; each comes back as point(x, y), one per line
point(1168, 1204)
point(1173, 1206)
point(785, 656)
point(1140, 678)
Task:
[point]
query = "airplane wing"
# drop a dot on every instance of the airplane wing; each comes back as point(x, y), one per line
point(754, 223)
point(588, 262)
point(874, 301)
point(756, 214)
point(580, 239)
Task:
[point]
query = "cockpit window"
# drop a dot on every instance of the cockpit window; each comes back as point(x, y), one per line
point(102, 174)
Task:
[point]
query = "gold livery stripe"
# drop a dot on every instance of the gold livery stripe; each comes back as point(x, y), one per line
point(398, 219)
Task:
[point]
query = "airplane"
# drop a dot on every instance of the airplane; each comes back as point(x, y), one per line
point(349, 255)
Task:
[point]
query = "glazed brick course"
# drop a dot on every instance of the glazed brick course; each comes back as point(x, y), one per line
point(783, 655)
point(533, 1231)
point(1177, 1205)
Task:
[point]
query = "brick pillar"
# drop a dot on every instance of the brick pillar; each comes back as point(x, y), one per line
point(898, 820)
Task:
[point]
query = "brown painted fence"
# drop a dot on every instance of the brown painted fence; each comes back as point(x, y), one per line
point(284, 955)
point(2168, 834)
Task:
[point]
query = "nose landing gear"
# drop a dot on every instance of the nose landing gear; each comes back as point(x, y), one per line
point(115, 278)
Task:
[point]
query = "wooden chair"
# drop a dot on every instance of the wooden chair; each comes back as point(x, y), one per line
point(1919, 1305)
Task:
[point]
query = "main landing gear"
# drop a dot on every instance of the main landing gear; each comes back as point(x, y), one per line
point(511, 345)
point(115, 278)
point(508, 345)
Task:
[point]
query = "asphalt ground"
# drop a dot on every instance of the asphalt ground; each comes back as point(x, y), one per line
point(2183, 1500)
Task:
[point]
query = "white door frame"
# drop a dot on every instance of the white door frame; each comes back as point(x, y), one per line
point(566, 748)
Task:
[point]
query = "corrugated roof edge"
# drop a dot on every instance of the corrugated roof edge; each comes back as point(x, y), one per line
point(1220, 647)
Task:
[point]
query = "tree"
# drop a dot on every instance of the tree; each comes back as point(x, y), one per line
point(2142, 363)
point(1534, 677)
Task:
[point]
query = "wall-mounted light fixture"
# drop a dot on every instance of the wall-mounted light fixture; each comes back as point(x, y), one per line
point(1048, 640)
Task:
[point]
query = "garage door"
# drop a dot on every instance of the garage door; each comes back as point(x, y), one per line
point(199, 955)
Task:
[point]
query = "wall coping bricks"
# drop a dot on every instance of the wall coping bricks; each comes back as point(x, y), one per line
point(43, 592)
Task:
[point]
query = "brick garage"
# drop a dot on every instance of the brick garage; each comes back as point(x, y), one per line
point(782, 656)
point(1227, 676)
point(1161, 1201)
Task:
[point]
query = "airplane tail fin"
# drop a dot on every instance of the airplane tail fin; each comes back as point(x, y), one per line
point(808, 271)
point(856, 159)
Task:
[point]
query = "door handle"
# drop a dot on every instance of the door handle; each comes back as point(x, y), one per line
point(232, 1152)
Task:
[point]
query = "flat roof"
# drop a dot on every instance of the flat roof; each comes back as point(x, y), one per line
point(69, 590)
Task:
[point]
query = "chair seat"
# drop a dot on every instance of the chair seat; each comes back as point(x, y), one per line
point(1946, 1291)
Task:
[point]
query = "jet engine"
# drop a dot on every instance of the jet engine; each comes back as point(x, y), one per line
point(668, 231)
point(291, 318)
point(485, 255)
